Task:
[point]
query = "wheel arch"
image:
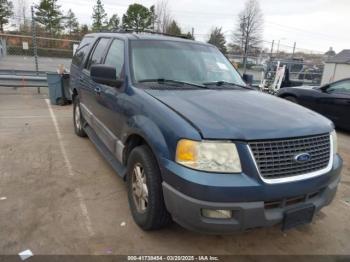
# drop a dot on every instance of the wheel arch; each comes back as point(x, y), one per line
point(284, 95)
point(74, 93)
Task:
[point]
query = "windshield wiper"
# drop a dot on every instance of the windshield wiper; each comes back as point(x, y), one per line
point(163, 81)
point(223, 83)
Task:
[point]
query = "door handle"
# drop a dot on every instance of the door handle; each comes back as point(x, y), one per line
point(97, 90)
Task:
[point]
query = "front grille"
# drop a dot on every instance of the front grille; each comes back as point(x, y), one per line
point(281, 203)
point(276, 158)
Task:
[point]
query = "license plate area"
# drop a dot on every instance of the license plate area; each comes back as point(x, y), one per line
point(298, 216)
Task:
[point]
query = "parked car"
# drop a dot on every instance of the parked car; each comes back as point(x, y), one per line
point(194, 144)
point(331, 100)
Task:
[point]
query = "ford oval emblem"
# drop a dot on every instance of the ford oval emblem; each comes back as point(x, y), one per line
point(301, 158)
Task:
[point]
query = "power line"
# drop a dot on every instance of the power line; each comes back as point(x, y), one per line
point(302, 30)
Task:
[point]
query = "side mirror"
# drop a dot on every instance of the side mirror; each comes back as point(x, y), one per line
point(248, 79)
point(105, 74)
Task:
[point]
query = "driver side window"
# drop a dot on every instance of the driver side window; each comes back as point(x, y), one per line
point(340, 87)
point(115, 56)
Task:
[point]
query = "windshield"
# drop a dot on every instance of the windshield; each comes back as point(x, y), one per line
point(180, 61)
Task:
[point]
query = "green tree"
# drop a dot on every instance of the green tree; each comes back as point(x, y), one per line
point(49, 15)
point(138, 18)
point(189, 36)
point(113, 22)
point(173, 29)
point(153, 17)
point(84, 29)
point(217, 38)
point(99, 17)
point(71, 23)
point(6, 11)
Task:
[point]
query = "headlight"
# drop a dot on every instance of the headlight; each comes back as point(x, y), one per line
point(211, 156)
point(334, 142)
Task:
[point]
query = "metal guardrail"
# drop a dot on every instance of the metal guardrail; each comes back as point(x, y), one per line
point(22, 78)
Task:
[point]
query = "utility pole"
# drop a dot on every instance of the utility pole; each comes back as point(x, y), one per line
point(35, 48)
point(273, 42)
point(193, 32)
point(295, 43)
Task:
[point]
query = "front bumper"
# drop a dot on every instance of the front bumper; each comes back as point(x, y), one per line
point(187, 192)
point(186, 211)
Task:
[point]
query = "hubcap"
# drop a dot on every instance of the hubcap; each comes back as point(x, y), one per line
point(77, 117)
point(139, 188)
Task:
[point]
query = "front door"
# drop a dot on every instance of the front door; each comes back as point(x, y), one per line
point(110, 102)
point(335, 103)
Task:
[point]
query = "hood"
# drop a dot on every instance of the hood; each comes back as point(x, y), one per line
point(242, 114)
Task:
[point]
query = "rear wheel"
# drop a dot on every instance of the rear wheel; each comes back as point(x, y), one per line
point(78, 118)
point(145, 192)
point(291, 99)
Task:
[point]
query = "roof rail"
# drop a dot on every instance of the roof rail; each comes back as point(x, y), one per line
point(128, 31)
point(165, 34)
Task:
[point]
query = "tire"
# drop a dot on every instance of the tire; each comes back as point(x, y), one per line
point(78, 119)
point(291, 99)
point(145, 193)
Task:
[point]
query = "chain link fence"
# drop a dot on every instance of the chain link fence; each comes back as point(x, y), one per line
point(17, 52)
point(19, 46)
point(305, 67)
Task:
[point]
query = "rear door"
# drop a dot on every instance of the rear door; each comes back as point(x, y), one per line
point(78, 60)
point(335, 103)
point(89, 88)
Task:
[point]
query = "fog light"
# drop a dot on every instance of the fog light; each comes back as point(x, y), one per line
point(211, 213)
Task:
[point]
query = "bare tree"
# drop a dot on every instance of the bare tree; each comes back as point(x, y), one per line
point(249, 29)
point(163, 17)
point(21, 15)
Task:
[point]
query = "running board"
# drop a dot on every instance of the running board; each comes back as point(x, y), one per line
point(117, 167)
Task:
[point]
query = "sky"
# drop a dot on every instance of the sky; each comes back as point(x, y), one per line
point(315, 25)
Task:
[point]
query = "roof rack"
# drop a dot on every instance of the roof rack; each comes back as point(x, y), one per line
point(128, 31)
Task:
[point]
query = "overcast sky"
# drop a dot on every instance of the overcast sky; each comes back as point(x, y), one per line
point(312, 24)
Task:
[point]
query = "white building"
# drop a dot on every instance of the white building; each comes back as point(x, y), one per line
point(337, 67)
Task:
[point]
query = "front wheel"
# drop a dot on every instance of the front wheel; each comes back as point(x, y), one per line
point(145, 192)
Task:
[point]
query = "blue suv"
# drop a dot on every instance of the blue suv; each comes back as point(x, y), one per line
point(193, 142)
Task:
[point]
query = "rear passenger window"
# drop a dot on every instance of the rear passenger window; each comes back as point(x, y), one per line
point(81, 51)
point(115, 56)
point(98, 52)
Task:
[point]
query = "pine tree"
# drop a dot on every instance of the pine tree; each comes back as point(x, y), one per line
point(99, 17)
point(71, 23)
point(173, 29)
point(217, 38)
point(84, 29)
point(49, 15)
point(6, 11)
point(113, 22)
point(137, 18)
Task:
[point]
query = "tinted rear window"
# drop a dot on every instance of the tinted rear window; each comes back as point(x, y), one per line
point(82, 51)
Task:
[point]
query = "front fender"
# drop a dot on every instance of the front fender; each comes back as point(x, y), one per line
point(150, 132)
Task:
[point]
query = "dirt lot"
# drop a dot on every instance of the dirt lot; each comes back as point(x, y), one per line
point(59, 196)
